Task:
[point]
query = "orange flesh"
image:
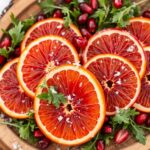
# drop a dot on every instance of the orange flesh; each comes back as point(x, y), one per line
point(12, 94)
point(116, 44)
point(144, 97)
point(80, 94)
point(42, 58)
point(118, 81)
point(51, 28)
point(141, 31)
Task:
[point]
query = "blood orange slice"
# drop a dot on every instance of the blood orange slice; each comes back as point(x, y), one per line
point(140, 27)
point(119, 79)
point(143, 100)
point(82, 116)
point(40, 57)
point(122, 43)
point(51, 26)
point(13, 101)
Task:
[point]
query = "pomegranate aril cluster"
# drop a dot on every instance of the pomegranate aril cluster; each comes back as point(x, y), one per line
point(100, 145)
point(85, 8)
point(5, 43)
point(43, 142)
point(57, 14)
point(40, 17)
point(117, 3)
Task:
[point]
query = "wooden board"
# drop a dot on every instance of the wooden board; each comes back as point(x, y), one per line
point(23, 9)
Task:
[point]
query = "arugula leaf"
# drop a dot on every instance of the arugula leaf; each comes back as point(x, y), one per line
point(91, 144)
point(99, 15)
point(24, 127)
point(48, 6)
point(124, 116)
point(52, 96)
point(67, 18)
point(103, 3)
point(28, 23)
point(122, 15)
point(138, 132)
point(14, 20)
point(125, 119)
point(16, 34)
point(4, 52)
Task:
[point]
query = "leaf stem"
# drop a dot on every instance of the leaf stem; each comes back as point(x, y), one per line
point(140, 2)
point(11, 124)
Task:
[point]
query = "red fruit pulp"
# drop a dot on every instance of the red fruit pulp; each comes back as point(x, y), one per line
point(118, 3)
point(100, 145)
point(57, 13)
point(121, 136)
point(141, 118)
point(92, 25)
point(82, 18)
point(85, 8)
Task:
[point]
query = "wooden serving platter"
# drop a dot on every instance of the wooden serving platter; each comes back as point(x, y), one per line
point(8, 139)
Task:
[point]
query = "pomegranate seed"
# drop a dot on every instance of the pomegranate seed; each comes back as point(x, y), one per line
point(6, 42)
point(94, 4)
point(141, 118)
point(38, 133)
point(85, 8)
point(100, 145)
point(107, 129)
point(43, 143)
point(107, 119)
point(17, 52)
point(92, 25)
point(121, 136)
point(146, 14)
point(2, 60)
point(148, 122)
point(118, 3)
point(40, 17)
point(68, 1)
point(80, 42)
point(85, 33)
point(57, 14)
point(82, 18)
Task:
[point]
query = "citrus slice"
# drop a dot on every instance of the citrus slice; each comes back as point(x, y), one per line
point(140, 27)
point(78, 120)
point(40, 57)
point(122, 43)
point(51, 26)
point(143, 100)
point(13, 101)
point(119, 79)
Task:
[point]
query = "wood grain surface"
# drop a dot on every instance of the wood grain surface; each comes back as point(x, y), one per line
point(23, 9)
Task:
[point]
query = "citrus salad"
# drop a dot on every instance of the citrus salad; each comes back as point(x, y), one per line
point(78, 74)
